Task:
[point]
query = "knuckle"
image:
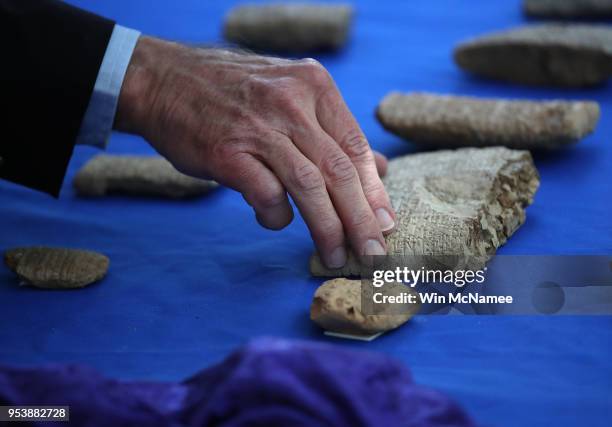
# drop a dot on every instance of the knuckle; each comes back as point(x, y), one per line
point(310, 62)
point(329, 234)
point(269, 198)
point(227, 150)
point(361, 219)
point(306, 178)
point(356, 146)
point(223, 150)
point(339, 169)
point(374, 188)
point(315, 72)
point(269, 91)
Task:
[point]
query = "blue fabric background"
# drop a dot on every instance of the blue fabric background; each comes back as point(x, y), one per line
point(190, 281)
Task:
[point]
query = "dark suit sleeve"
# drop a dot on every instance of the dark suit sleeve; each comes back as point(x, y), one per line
point(51, 54)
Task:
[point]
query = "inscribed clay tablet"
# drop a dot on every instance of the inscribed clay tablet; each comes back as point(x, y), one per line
point(568, 8)
point(546, 54)
point(455, 121)
point(139, 176)
point(60, 268)
point(289, 27)
point(337, 306)
point(464, 202)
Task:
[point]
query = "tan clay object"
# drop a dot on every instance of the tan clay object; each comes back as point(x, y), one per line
point(290, 27)
point(138, 176)
point(336, 307)
point(465, 202)
point(541, 54)
point(454, 121)
point(56, 268)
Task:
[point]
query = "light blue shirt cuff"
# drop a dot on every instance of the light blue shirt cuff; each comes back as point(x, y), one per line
point(100, 114)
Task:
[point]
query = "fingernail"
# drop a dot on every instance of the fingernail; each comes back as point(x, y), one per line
point(384, 219)
point(337, 259)
point(373, 248)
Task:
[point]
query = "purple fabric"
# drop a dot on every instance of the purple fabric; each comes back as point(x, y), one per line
point(268, 382)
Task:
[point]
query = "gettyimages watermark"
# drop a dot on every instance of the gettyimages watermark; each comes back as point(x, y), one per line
point(503, 284)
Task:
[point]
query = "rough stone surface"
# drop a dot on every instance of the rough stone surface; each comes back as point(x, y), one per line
point(463, 202)
point(139, 176)
point(568, 8)
point(337, 307)
point(56, 268)
point(455, 121)
point(289, 27)
point(542, 54)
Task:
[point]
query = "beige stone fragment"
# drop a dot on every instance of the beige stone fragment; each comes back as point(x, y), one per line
point(289, 26)
point(138, 176)
point(56, 268)
point(445, 121)
point(541, 54)
point(464, 202)
point(337, 307)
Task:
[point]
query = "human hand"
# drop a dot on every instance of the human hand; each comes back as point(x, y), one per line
point(264, 127)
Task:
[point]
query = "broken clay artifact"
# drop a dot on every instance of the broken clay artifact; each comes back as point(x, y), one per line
point(56, 268)
point(337, 307)
point(290, 27)
point(464, 202)
point(567, 9)
point(541, 54)
point(139, 176)
point(454, 121)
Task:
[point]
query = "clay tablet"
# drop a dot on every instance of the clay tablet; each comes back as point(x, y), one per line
point(289, 27)
point(138, 176)
point(568, 8)
point(337, 307)
point(545, 54)
point(465, 202)
point(56, 268)
point(455, 121)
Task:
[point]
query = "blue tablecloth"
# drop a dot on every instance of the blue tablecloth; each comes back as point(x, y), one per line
point(189, 281)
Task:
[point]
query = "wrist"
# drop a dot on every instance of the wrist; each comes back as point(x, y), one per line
point(138, 87)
